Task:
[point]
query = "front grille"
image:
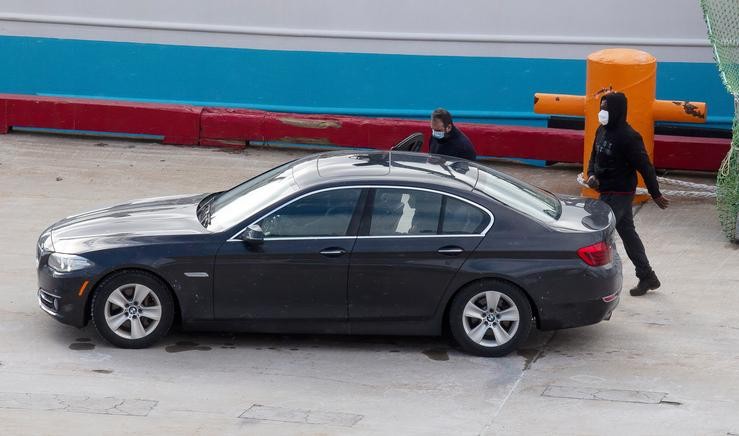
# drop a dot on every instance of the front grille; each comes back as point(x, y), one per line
point(48, 301)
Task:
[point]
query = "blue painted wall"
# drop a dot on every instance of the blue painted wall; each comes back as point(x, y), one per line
point(480, 89)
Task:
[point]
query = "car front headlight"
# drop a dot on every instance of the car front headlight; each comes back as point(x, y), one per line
point(61, 262)
point(44, 245)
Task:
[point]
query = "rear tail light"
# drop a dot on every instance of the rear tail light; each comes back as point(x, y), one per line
point(609, 298)
point(596, 255)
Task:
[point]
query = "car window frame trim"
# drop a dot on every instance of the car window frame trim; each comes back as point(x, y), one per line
point(365, 211)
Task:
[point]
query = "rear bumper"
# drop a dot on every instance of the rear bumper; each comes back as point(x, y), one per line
point(596, 296)
point(562, 316)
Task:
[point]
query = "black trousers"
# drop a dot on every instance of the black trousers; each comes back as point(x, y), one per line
point(621, 206)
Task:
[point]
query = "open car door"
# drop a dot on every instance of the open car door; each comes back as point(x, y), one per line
point(413, 142)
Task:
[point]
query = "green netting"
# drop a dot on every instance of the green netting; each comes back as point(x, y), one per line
point(722, 19)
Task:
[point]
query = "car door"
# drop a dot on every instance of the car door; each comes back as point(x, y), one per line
point(412, 243)
point(299, 271)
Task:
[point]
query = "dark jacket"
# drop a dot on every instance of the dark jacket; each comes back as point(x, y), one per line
point(618, 153)
point(454, 144)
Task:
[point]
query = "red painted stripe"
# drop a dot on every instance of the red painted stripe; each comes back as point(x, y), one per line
point(192, 125)
point(689, 153)
point(234, 125)
point(178, 124)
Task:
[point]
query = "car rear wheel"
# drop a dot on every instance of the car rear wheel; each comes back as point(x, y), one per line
point(490, 318)
point(132, 309)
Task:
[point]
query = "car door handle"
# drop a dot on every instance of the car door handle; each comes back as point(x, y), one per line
point(450, 250)
point(333, 252)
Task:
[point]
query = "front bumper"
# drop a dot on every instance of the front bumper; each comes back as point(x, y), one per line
point(63, 296)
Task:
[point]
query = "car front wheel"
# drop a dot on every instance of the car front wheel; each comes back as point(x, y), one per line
point(490, 318)
point(132, 309)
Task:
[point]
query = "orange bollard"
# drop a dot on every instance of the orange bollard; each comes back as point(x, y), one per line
point(634, 73)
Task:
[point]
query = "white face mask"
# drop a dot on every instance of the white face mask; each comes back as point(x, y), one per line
point(438, 134)
point(603, 117)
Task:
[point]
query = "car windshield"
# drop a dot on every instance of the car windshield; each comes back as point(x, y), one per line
point(528, 199)
point(233, 206)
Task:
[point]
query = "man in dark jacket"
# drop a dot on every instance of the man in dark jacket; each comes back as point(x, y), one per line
point(447, 139)
point(618, 153)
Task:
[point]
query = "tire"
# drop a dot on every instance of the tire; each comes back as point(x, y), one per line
point(124, 321)
point(490, 334)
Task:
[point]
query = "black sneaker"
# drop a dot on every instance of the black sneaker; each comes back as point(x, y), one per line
point(644, 285)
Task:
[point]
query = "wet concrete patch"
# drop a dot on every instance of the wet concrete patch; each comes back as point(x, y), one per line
point(76, 404)
point(81, 346)
point(438, 354)
point(103, 371)
point(83, 340)
point(268, 413)
point(531, 356)
point(186, 346)
point(617, 395)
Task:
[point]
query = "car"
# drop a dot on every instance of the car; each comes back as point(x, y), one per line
point(375, 242)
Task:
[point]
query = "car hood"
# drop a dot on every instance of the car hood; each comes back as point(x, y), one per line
point(123, 224)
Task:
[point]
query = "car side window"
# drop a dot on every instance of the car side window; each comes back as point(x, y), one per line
point(461, 218)
point(405, 212)
point(327, 213)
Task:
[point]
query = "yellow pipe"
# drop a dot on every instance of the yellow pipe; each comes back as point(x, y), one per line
point(679, 111)
point(573, 105)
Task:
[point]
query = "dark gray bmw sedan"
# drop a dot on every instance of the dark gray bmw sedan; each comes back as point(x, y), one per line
point(344, 242)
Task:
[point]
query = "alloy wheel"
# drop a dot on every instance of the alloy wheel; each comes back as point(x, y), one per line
point(490, 318)
point(132, 311)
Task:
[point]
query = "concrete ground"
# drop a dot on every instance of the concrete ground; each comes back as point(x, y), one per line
point(666, 363)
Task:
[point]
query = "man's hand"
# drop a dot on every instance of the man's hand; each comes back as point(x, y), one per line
point(662, 202)
point(592, 182)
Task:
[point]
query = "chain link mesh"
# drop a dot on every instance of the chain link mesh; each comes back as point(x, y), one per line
point(722, 20)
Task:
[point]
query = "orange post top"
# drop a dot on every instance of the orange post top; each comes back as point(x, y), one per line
point(622, 56)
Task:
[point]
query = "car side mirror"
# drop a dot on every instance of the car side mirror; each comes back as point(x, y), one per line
point(252, 235)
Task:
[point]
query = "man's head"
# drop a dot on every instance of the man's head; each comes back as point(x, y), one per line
point(615, 104)
point(441, 123)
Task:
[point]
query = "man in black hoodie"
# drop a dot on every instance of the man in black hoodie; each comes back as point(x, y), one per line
point(447, 139)
point(618, 153)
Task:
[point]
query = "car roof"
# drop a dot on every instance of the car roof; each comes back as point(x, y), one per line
point(385, 167)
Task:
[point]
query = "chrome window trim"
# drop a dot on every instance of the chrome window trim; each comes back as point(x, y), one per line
point(451, 235)
point(333, 188)
point(300, 238)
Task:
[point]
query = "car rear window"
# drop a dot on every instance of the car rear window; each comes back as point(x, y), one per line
point(521, 196)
